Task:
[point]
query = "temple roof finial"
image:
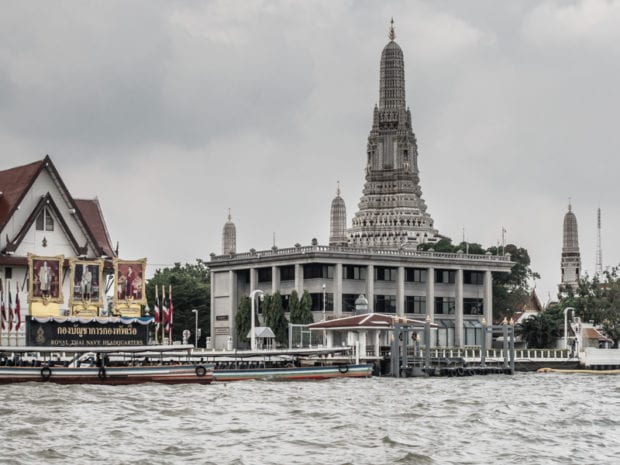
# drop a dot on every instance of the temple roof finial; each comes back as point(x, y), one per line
point(338, 188)
point(229, 215)
point(392, 34)
point(570, 207)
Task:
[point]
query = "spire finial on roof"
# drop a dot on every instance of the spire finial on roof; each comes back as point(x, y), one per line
point(338, 189)
point(392, 34)
point(570, 207)
point(229, 215)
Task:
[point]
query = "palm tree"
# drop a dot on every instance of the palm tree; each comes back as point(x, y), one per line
point(539, 331)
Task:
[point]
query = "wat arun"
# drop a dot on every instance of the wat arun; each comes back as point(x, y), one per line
point(392, 213)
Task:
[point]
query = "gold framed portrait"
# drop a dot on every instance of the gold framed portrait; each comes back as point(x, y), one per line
point(87, 286)
point(129, 283)
point(45, 279)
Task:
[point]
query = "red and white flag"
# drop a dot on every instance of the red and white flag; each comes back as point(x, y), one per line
point(156, 308)
point(165, 311)
point(10, 325)
point(18, 310)
point(2, 307)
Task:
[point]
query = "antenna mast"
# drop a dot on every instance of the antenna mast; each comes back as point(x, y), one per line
point(598, 268)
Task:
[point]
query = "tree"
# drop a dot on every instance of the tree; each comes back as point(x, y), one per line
point(596, 299)
point(294, 307)
point(305, 310)
point(539, 331)
point(243, 321)
point(191, 289)
point(510, 290)
point(275, 319)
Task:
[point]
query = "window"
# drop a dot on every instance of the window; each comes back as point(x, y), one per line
point(384, 273)
point(385, 303)
point(354, 272)
point(287, 273)
point(415, 275)
point(317, 301)
point(45, 221)
point(318, 270)
point(472, 307)
point(445, 305)
point(445, 276)
point(264, 275)
point(415, 304)
point(473, 277)
point(348, 302)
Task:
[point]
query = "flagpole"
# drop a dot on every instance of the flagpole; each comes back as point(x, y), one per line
point(18, 315)
point(157, 309)
point(170, 313)
point(10, 325)
point(163, 326)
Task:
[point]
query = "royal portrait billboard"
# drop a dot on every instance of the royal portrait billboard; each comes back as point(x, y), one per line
point(129, 283)
point(87, 288)
point(45, 279)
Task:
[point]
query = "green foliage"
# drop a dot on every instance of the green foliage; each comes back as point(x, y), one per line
point(305, 316)
point(191, 289)
point(539, 331)
point(597, 299)
point(273, 315)
point(294, 307)
point(243, 320)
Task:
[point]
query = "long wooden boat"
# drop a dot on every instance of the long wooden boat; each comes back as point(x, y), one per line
point(158, 369)
point(168, 374)
point(294, 373)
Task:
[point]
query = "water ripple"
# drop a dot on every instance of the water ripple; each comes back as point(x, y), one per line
point(527, 418)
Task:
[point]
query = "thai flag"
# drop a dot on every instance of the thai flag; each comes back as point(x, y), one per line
point(165, 311)
point(170, 314)
point(156, 309)
point(18, 311)
point(10, 309)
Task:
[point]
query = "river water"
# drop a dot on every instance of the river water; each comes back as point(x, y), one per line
point(528, 418)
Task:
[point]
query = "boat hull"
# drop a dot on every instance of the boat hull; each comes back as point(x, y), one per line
point(167, 374)
point(294, 373)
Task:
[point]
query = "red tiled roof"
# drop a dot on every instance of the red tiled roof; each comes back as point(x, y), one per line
point(14, 183)
point(90, 212)
point(366, 320)
point(593, 333)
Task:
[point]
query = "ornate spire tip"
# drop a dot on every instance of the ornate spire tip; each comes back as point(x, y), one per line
point(392, 34)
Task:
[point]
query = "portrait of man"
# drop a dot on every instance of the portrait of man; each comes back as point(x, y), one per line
point(86, 277)
point(45, 278)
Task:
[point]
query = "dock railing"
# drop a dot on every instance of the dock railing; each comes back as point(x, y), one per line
point(473, 354)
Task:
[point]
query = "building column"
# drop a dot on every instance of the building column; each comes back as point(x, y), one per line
point(299, 279)
point(253, 279)
point(275, 279)
point(430, 301)
point(458, 320)
point(232, 311)
point(329, 336)
point(212, 311)
point(370, 287)
point(338, 290)
point(362, 343)
point(400, 291)
point(377, 343)
point(487, 304)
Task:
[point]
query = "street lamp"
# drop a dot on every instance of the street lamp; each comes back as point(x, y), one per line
point(324, 301)
point(195, 312)
point(566, 324)
point(253, 295)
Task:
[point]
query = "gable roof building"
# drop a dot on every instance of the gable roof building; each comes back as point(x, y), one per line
point(39, 216)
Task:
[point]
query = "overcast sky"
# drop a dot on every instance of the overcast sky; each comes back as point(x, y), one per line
point(171, 112)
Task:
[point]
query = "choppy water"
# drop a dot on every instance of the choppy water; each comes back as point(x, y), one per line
point(526, 419)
